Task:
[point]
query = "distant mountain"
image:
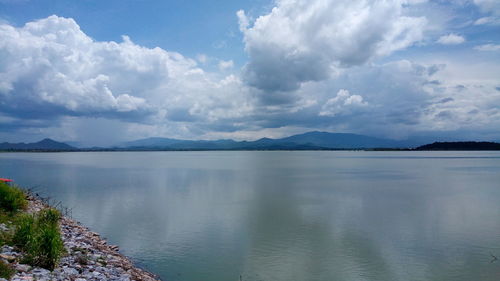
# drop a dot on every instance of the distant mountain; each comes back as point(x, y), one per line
point(307, 141)
point(176, 144)
point(338, 140)
point(150, 142)
point(461, 145)
point(310, 140)
point(45, 144)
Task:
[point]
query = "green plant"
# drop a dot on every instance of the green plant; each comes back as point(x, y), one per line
point(48, 247)
point(25, 231)
point(12, 198)
point(6, 271)
point(49, 216)
point(39, 236)
point(5, 238)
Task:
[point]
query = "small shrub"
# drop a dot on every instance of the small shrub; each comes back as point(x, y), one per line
point(6, 271)
point(49, 247)
point(40, 238)
point(12, 198)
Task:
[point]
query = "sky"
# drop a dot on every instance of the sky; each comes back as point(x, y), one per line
point(104, 72)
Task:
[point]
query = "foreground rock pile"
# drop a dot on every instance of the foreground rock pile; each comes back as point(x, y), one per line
point(88, 257)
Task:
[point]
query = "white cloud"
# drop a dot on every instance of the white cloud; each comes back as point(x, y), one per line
point(302, 40)
point(57, 81)
point(343, 103)
point(223, 65)
point(488, 47)
point(51, 68)
point(491, 8)
point(487, 21)
point(451, 39)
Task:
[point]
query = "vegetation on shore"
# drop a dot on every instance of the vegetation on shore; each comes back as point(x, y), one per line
point(37, 235)
point(12, 199)
point(5, 270)
point(464, 145)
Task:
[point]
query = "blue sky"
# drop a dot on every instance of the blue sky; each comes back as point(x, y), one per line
point(102, 72)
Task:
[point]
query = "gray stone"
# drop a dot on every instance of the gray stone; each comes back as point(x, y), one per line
point(40, 273)
point(70, 271)
point(22, 267)
point(3, 227)
point(7, 249)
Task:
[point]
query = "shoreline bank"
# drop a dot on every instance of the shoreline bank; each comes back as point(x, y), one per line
point(88, 256)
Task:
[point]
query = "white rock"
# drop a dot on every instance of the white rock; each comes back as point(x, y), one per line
point(6, 248)
point(70, 271)
point(40, 272)
point(22, 267)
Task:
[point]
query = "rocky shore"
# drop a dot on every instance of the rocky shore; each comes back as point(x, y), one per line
point(87, 257)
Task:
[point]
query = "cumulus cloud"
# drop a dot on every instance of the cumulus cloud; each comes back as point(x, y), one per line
point(343, 103)
point(451, 39)
point(57, 81)
point(488, 47)
point(51, 68)
point(51, 63)
point(303, 40)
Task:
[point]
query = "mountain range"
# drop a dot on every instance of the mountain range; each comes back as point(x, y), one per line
point(43, 145)
point(310, 140)
point(307, 141)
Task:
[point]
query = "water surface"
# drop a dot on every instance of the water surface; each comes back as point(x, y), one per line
point(283, 216)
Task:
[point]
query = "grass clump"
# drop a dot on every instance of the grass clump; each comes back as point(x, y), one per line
point(6, 271)
point(12, 199)
point(25, 230)
point(39, 237)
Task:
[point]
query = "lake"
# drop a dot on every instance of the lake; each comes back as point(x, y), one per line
point(283, 216)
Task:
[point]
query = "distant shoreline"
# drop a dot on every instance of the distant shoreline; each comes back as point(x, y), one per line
point(229, 150)
point(311, 141)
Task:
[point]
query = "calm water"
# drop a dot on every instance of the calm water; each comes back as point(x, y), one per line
point(283, 216)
